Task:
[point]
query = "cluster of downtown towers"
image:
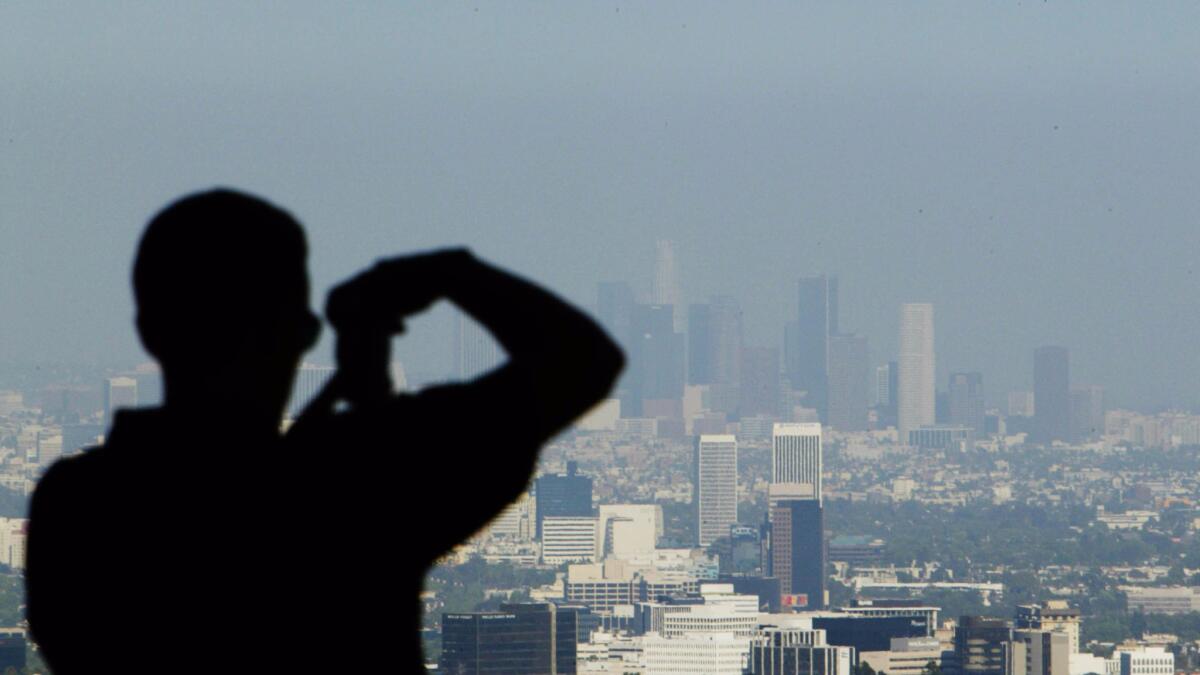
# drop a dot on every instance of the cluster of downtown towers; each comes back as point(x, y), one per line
point(698, 352)
point(692, 369)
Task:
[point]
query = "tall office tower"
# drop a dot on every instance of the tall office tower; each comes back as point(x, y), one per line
point(917, 401)
point(517, 640)
point(727, 334)
point(310, 379)
point(760, 382)
point(667, 290)
point(980, 645)
point(847, 382)
point(798, 552)
point(656, 358)
point(475, 350)
point(808, 342)
point(714, 341)
point(796, 455)
point(714, 470)
point(119, 392)
point(700, 348)
point(965, 395)
point(1051, 395)
point(941, 408)
point(615, 308)
point(1087, 412)
point(567, 494)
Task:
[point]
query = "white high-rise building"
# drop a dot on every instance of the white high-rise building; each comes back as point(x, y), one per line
point(629, 529)
point(568, 539)
point(715, 484)
point(796, 455)
point(918, 395)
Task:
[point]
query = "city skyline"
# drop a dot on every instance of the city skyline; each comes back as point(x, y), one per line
point(1035, 196)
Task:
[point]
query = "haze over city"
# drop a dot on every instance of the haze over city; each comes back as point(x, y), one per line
point(1026, 169)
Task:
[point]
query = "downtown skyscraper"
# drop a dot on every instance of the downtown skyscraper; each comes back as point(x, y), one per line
point(714, 468)
point(847, 383)
point(714, 338)
point(796, 455)
point(807, 340)
point(965, 393)
point(1051, 395)
point(667, 289)
point(917, 404)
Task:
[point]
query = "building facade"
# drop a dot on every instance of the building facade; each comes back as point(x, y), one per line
point(1051, 395)
point(715, 483)
point(569, 539)
point(797, 547)
point(568, 494)
point(521, 639)
point(796, 454)
point(917, 400)
point(847, 382)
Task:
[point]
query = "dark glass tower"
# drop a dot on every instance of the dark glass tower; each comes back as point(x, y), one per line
point(562, 495)
point(798, 552)
point(847, 382)
point(520, 639)
point(965, 399)
point(808, 339)
point(1051, 395)
point(656, 358)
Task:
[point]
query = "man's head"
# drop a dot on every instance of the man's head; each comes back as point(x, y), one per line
point(222, 299)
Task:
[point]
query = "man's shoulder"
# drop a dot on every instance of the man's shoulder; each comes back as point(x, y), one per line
point(76, 473)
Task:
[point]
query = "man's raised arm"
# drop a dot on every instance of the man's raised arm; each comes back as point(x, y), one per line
point(560, 364)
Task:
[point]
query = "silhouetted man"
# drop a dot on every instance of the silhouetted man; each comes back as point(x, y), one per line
point(200, 539)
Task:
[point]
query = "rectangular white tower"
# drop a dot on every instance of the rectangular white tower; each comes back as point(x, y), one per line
point(796, 455)
point(918, 397)
point(715, 468)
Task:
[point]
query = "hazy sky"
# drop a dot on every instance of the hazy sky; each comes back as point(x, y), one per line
point(1030, 168)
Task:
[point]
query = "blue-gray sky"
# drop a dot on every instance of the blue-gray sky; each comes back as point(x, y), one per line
point(1030, 168)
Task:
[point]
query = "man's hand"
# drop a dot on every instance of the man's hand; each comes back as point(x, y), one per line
point(393, 289)
point(369, 309)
